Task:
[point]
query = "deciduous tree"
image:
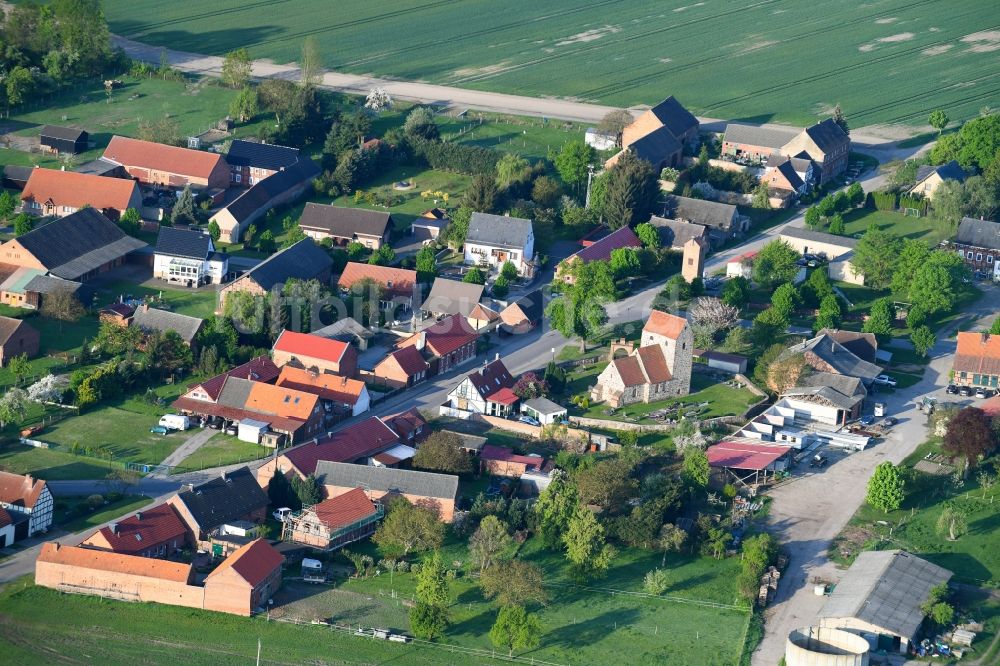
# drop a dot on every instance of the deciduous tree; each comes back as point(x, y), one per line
point(442, 451)
point(785, 299)
point(555, 507)
point(885, 488)
point(586, 547)
point(614, 123)
point(775, 263)
point(875, 257)
point(923, 340)
point(236, 68)
point(880, 318)
point(482, 194)
point(409, 528)
point(572, 161)
point(736, 292)
point(938, 120)
point(514, 583)
point(245, 106)
point(516, 629)
point(311, 65)
point(953, 523)
point(969, 436)
point(608, 483)
point(489, 542)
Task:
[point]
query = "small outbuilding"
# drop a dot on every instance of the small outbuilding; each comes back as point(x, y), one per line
point(544, 410)
point(251, 430)
point(64, 139)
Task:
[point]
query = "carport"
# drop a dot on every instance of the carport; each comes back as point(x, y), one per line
point(747, 463)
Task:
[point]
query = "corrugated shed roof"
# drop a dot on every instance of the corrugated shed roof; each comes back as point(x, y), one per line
point(845, 242)
point(64, 133)
point(388, 479)
point(885, 589)
point(154, 319)
point(744, 455)
point(755, 135)
point(700, 211)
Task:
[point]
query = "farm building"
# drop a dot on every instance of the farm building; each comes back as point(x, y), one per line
point(977, 359)
point(346, 225)
point(208, 507)
point(446, 345)
point(747, 462)
point(659, 135)
point(524, 314)
point(334, 522)
point(398, 285)
point(153, 532)
point(825, 354)
point(17, 337)
point(438, 491)
point(676, 233)
point(303, 261)
point(155, 320)
point(879, 598)
point(449, 297)
point(252, 161)
point(158, 164)
point(839, 250)
point(816, 646)
point(315, 353)
point(59, 193)
point(502, 461)
point(69, 140)
point(723, 221)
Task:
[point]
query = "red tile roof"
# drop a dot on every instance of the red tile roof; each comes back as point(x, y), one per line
point(355, 441)
point(281, 401)
point(503, 397)
point(324, 385)
point(445, 336)
point(20, 490)
point(69, 188)
point(654, 363)
point(744, 455)
point(978, 353)
point(314, 346)
point(5, 518)
point(254, 562)
point(482, 313)
point(345, 509)
point(260, 369)
point(406, 422)
point(396, 281)
point(102, 560)
point(630, 371)
point(278, 423)
point(170, 159)
point(991, 406)
point(664, 324)
point(601, 250)
point(504, 454)
point(143, 530)
point(410, 360)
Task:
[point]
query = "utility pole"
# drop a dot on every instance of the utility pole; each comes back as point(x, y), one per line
point(590, 178)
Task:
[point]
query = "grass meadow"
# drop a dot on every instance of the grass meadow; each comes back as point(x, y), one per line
point(764, 60)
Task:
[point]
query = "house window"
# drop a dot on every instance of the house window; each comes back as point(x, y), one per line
point(969, 254)
point(979, 256)
point(989, 258)
point(238, 177)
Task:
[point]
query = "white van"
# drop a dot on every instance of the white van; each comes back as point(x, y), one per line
point(175, 422)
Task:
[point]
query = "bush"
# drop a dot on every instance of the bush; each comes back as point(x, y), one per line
point(95, 501)
point(656, 581)
point(884, 200)
point(456, 157)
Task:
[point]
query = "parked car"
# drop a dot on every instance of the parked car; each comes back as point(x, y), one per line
point(867, 420)
point(951, 389)
point(158, 430)
point(215, 423)
point(890, 421)
point(281, 514)
point(529, 420)
point(983, 393)
point(175, 421)
point(885, 380)
point(818, 460)
point(964, 391)
point(231, 430)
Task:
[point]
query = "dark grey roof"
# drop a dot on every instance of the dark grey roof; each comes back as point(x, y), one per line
point(345, 222)
point(387, 479)
point(657, 146)
point(674, 116)
point(675, 233)
point(838, 357)
point(345, 330)
point(498, 231)
point(452, 297)
point(235, 392)
point(48, 284)
point(192, 243)
point(800, 164)
point(885, 589)
point(64, 133)
point(849, 386)
point(261, 155)
point(264, 192)
point(788, 171)
point(544, 406)
point(304, 261)
point(709, 213)
point(224, 499)
point(16, 173)
point(827, 135)
point(755, 135)
point(978, 233)
point(948, 171)
point(77, 244)
point(154, 319)
point(532, 305)
point(823, 394)
point(8, 325)
point(99, 167)
point(820, 237)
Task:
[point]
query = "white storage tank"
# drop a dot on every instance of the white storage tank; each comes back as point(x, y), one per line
point(825, 646)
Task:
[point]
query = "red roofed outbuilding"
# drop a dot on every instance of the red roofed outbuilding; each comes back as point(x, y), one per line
point(316, 353)
point(245, 580)
point(59, 193)
point(158, 164)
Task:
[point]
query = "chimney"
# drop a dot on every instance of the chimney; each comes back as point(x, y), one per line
point(138, 515)
point(496, 357)
point(421, 341)
point(145, 307)
point(29, 480)
point(113, 527)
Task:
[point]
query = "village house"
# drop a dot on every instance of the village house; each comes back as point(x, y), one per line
point(435, 491)
point(17, 337)
point(208, 507)
point(754, 144)
point(658, 369)
point(401, 368)
point(398, 286)
point(155, 320)
point(929, 178)
point(315, 353)
point(303, 261)
point(838, 250)
point(524, 314)
point(493, 240)
point(977, 360)
point(825, 144)
point(60, 193)
point(781, 177)
point(340, 395)
point(488, 390)
point(357, 442)
point(674, 234)
point(862, 345)
point(250, 162)
point(826, 397)
point(282, 187)
point(24, 495)
point(260, 369)
point(723, 221)
point(371, 228)
point(825, 354)
point(881, 597)
point(659, 135)
point(410, 426)
point(978, 243)
point(153, 532)
point(158, 164)
point(448, 297)
point(188, 256)
point(242, 584)
point(69, 140)
point(502, 461)
point(483, 318)
point(77, 247)
point(446, 345)
point(334, 522)
point(599, 250)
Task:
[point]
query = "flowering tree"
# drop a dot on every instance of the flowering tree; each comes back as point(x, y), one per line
point(530, 386)
point(48, 389)
point(378, 100)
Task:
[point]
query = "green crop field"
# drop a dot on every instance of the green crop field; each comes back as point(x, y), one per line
point(884, 61)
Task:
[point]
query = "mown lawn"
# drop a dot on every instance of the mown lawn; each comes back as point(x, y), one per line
point(932, 230)
point(49, 464)
point(109, 511)
point(220, 450)
point(194, 303)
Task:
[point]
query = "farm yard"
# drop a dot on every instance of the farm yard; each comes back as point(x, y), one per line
point(628, 54)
